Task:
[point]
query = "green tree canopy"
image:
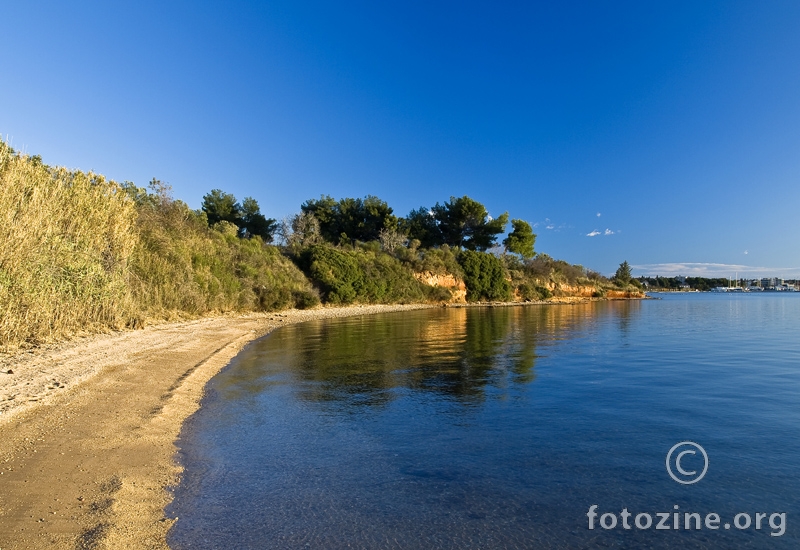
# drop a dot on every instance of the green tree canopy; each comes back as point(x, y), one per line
point(466, 223)
point(376, 215)
point(353, 219)
point(521, 239)
point(253, 222)
point(462, 222)
point(421, 224)
point(220, 206)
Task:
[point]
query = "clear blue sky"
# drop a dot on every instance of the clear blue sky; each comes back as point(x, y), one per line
point(672, 129)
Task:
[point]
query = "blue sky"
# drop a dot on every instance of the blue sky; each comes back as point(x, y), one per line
point(662, 133)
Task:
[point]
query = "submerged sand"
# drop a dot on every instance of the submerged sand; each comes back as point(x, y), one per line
point(88, 428)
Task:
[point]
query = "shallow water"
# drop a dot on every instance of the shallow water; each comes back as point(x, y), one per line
point(500, 427)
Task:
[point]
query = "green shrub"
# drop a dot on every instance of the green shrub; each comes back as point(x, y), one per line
point(484, 276)
point(531, 293)
point(438, 293)
point(389, 281)
point(336, 273)
point(182, 266)
point(360, 274)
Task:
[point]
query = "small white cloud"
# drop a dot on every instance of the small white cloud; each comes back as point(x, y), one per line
point(598, 214)
point(746, 252)
point(536, 224)
point(608, 232)
point(594, 233)
point(551, 226)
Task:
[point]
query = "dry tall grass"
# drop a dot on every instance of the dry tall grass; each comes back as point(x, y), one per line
point(79, 253)
point(65, 241)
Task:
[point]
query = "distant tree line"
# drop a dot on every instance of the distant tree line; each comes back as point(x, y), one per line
point(675, 283)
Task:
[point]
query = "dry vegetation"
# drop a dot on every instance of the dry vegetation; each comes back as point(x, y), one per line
point(82, 253)
point(66, 241)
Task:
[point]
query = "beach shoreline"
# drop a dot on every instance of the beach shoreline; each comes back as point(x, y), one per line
point(90, 426)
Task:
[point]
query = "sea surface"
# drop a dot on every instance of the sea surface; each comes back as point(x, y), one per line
point(500, 428)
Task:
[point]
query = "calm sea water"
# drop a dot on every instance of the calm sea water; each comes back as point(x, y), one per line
point(500, 427)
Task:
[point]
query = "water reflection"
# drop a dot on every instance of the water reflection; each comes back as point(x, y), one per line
point(456, 354)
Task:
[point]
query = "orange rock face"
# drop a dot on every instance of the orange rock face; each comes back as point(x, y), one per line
point(456, 286)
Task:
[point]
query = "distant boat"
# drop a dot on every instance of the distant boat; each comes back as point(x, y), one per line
point(730, 287)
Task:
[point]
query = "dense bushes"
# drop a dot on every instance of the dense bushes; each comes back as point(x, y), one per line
point(532, 279)
point(360, 274)
point(181, 265)
point(337, 274)
point(544, 267)
point(484, 276)
point(531, 292)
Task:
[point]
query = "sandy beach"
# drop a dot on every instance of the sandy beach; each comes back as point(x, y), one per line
point(89, 427)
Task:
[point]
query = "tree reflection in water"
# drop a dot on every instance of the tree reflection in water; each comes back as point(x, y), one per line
point(455, 354)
